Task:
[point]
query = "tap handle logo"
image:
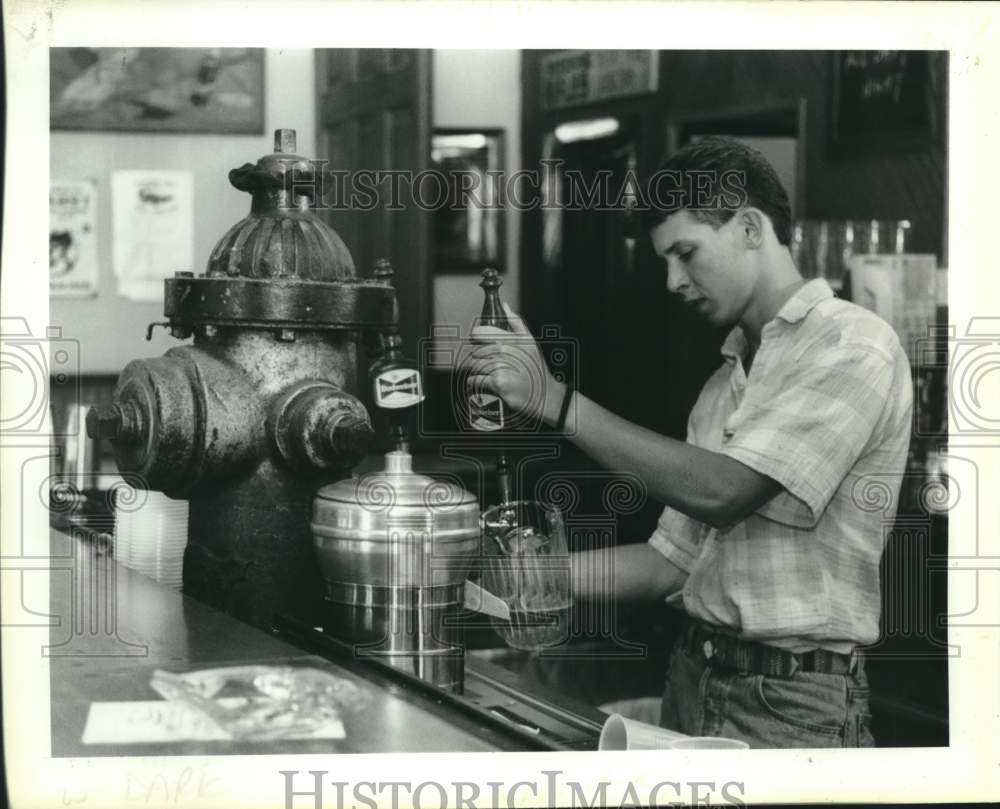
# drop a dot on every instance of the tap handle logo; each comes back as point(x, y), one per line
point(486, 412)
point(398, 388)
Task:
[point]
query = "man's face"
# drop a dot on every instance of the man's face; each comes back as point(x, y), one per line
point(709, 268)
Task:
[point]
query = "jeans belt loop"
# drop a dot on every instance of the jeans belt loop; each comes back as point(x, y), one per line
point(790, 664)
point(691, 638)
point(743, 659)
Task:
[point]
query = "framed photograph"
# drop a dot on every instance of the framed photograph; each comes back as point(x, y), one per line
point(216, 90)
point(469, 226)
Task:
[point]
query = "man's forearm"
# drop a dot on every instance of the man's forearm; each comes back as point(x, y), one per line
point(704, 485)
point(635, 572)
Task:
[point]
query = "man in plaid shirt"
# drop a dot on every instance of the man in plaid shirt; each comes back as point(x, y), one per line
point(766, 542)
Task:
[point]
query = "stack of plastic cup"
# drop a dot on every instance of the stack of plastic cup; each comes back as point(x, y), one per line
point(151, 534)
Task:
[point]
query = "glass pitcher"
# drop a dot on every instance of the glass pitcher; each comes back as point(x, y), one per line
point(526, 564)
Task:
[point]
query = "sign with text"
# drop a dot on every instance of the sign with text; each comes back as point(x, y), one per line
point(572, 78)
point(882, 99)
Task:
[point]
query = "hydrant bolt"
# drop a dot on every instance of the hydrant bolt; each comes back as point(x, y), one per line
point(121, 422)
point(351, 436)
point(103, 421)
point(284, 141)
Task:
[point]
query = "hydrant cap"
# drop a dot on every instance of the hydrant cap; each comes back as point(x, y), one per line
point(282, 237)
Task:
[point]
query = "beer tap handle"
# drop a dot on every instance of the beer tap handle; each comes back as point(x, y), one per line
point(383, 272)
point(398, 385)
point(376, 339)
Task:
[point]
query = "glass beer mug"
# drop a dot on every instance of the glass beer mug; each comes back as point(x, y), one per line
point(526, 564)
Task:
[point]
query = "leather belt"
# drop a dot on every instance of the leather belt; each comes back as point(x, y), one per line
point(725, 651)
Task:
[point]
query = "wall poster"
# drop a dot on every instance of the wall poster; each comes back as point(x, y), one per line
point(153, 230)
point(72, 238)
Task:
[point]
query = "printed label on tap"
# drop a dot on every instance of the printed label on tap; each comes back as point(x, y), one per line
point(398, 388)
point(486, 411)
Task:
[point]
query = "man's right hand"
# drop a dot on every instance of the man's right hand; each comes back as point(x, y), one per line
point(510, 365)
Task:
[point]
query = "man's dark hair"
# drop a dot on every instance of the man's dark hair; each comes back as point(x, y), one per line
point(713, 178)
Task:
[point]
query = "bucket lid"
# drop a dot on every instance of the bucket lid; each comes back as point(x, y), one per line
point(397, 485)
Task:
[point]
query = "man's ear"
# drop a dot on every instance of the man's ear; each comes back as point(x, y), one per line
point(752, 227)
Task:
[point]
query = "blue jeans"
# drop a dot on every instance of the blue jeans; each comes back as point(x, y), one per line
point(804, 710)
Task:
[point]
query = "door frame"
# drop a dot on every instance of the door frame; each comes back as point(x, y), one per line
point(795, 107)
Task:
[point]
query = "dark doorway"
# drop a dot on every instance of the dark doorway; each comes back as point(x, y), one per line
point(374, 114)
point(608, 291)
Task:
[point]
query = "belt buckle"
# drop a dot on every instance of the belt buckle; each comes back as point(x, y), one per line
point(708, 650)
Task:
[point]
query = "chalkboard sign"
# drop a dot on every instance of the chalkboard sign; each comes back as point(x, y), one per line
point(882, 100)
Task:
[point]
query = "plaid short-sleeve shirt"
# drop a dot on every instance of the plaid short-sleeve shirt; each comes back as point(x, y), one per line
point(826, 412)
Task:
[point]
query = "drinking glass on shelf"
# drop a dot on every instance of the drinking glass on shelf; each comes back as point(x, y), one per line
point(901, 236)
point(812, 247)
point(796, 246)
point(881, 236)
point(526, 564)
point(840, 245)
point(864, 241)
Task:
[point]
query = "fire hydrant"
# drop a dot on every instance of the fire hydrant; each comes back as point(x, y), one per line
point(262, 410)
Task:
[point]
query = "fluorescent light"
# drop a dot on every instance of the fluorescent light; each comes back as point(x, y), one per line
point(586, 130)
point(470, 141)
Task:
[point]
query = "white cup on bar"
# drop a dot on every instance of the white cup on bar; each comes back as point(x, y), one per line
point(620, 733)
point(708, 743)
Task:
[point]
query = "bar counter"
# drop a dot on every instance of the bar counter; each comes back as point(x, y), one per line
point(114, 627)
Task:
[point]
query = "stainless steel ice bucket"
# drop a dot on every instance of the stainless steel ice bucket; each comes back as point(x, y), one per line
point(394, 549)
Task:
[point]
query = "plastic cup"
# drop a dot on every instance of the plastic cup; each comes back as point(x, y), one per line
point(620, 733)
point(151, 538)
point(708, 743)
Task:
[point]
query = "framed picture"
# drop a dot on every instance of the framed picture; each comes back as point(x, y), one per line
point(885, 100)
point(157, 89)
point(469, 227)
